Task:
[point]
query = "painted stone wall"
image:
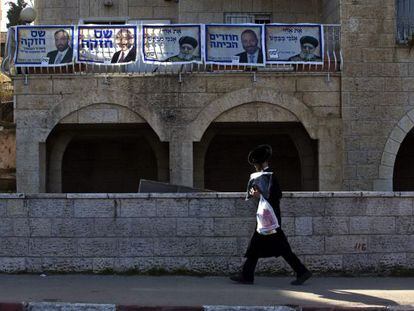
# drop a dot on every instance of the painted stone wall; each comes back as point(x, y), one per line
point(351, 232)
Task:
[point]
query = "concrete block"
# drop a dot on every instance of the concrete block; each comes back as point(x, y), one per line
point(219, 246)
point(391, 243)
point(404, 225)
point(334, 225)
point(62, 265)
point(49, 208)
point(112, 227)
point(97, 247)
point(177, 246)
point(303, 226)
point(12, 265)
point(302, 245)
point(357, 263)
point(15, 208)
point(136, 247)
point(59, 306)
point(372, 225)
point(211, 207)
point(72, 227)
point(6, 227)
point(294, 207)
point(21, 227)
point(343, 244)
point(137, 208)
point(13, 246)
point(389, 207)
point(245, 208)
point(40, 227)
point(234, 226)
point(61, 247)
point(103, 265)
point(152, 227)
point(172, 207)
point(210, 264)
point(195, 227)
point(94, 208)
point(324, 263)
point(346, 207)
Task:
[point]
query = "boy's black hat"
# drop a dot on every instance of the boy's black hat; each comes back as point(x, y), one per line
point(260, 154)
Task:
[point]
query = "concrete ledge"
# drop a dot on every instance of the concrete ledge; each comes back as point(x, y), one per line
point(208, 195)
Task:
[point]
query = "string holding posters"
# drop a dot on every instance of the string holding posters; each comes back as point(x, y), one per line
point(108, 45)
point(45, 46)
point(235, 44)
point(172, 44)
point(294, 43)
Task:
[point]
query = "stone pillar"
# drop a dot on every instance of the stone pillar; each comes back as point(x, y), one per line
point(330, 156)
point(30, 161)
point(181, 159)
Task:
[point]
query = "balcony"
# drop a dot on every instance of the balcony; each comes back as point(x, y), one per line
point(332, 62)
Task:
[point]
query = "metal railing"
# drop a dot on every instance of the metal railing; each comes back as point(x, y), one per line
point(332, 63)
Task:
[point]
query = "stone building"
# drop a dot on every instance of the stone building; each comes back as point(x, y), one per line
point(346, 125)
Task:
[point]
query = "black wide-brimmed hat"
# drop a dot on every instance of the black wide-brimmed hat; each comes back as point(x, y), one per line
point(188, 40)
point(309, 39)
point(260, 154)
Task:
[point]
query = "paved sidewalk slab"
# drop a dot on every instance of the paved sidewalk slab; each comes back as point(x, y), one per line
point(131, 292)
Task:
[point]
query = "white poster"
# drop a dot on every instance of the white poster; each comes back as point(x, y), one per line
point(44, 45)
point(294, 43)
point(109, 45)
point(228, 44)
point(173, 44)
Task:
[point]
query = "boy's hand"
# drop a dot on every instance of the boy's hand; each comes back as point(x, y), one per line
point(254, 192)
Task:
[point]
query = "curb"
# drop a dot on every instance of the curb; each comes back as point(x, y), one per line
point(62, 306)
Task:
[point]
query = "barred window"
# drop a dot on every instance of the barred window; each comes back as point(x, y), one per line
point(241, 18)
point(405, 20)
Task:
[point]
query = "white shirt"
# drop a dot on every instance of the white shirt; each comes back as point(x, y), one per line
point(60, 56)
point(125, 54)
point(253, 58)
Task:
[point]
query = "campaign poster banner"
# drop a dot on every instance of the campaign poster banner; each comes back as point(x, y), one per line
point(294, 43)
point(108, 45)
point(234, 44)
point(44, 46)
point(171, 44)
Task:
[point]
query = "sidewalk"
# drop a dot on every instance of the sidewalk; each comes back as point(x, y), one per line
point(185, 291)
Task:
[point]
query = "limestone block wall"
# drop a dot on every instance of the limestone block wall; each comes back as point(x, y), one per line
point(60, 12)
point(377, 93)
point(349, 233)
point(184, 11)
point(280, 11)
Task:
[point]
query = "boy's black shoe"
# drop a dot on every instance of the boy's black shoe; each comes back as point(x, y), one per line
point(240, 279)
point(300, 279)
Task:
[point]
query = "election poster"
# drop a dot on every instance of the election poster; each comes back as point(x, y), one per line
point(234, 44)
point(294, 43)
point(47, 46)
point(171, 44)
point(108, 45)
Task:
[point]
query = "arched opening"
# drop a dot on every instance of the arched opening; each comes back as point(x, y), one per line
point(221, 156)
point(403, 179)
point(105, 158)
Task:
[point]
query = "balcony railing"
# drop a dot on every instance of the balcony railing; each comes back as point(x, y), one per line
point(332, 63)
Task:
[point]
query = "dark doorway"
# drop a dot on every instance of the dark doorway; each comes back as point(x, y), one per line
point(226, 167)
point(403, 179)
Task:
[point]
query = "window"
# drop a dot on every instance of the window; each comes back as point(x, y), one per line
point(103, 21)
point(241, 18)
point(405, 20)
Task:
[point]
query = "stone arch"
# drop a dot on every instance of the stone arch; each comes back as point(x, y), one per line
point(391, 148)
point(250, 95)
point(64, 110)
